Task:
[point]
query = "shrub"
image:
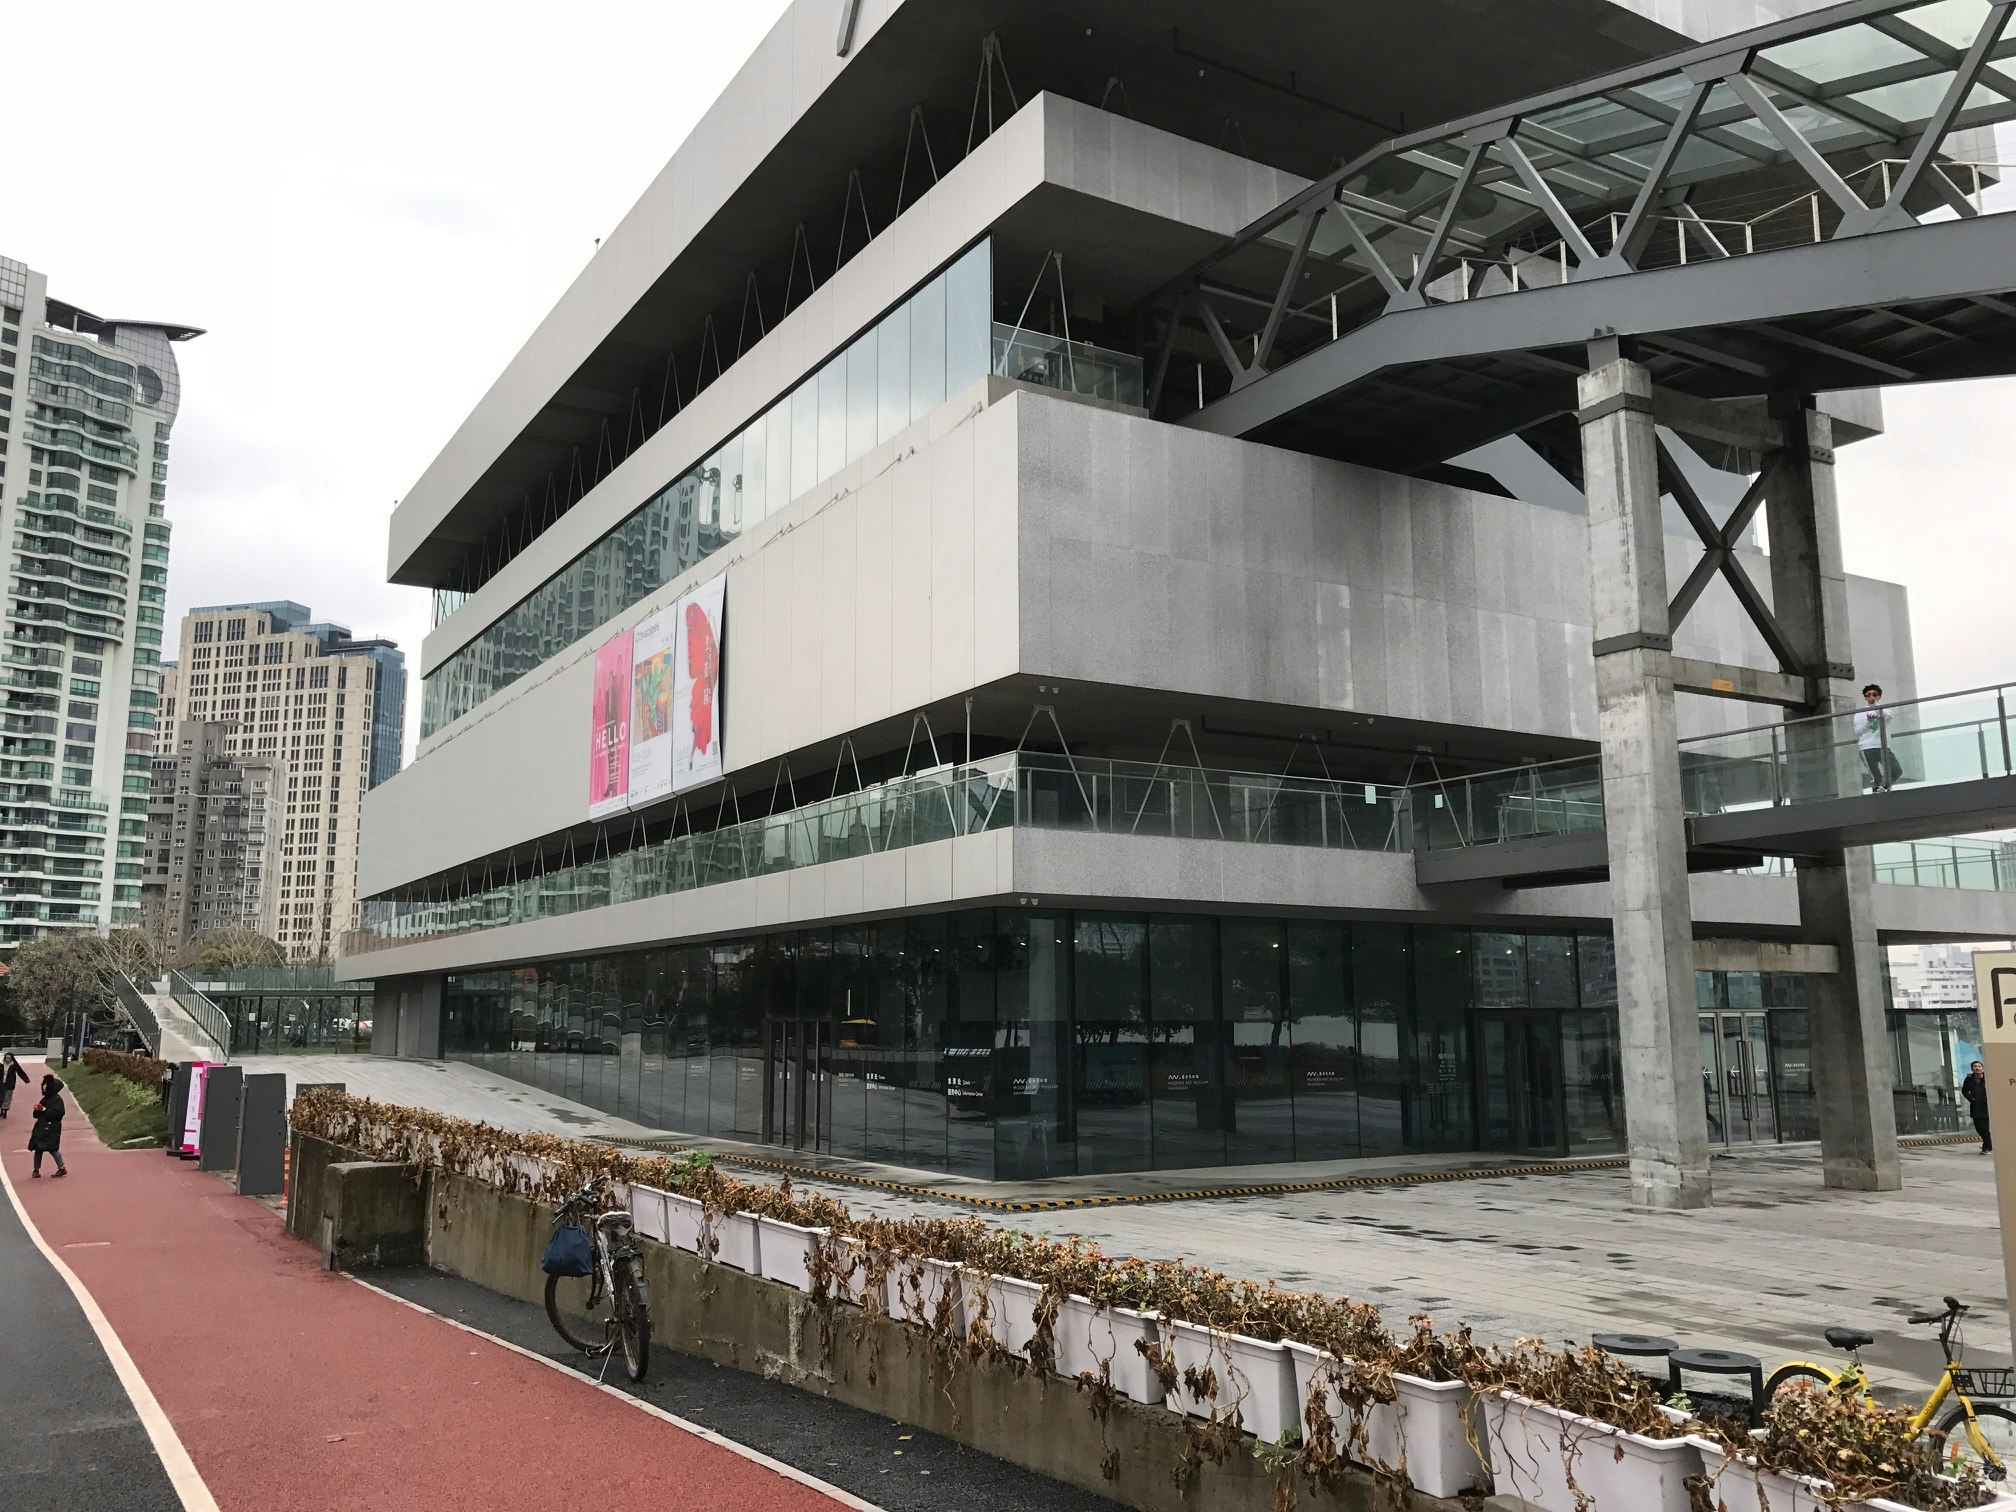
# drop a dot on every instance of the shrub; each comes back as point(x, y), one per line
point(141, 1070)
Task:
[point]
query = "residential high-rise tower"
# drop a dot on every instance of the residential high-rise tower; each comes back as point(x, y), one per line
point(329, 709)
point(86, 407)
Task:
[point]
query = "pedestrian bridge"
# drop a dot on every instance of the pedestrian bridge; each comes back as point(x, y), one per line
point(1805, 207)
point(1802, 788)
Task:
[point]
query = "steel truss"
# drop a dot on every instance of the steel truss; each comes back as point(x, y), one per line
point(1604, 200)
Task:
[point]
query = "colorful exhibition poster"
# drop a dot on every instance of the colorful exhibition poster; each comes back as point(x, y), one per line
point(696, 690)
point(653, 652)
point(609, 730)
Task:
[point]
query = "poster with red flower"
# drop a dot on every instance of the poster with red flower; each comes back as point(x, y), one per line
point(696, 687)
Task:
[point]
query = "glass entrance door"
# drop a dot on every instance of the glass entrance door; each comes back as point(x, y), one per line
point(1520, 1082)
point(1736, 1078)
point(798, 1084)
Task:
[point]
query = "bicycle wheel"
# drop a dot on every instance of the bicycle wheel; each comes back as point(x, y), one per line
point(1799, 1377)
point(1955, 1446)
point(579, 1313)
point(633, 1319)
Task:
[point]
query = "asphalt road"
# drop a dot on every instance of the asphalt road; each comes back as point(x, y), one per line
point(70, 1440)
point(897, 1467)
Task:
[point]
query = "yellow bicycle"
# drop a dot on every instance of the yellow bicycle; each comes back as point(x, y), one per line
point(1973, 1429)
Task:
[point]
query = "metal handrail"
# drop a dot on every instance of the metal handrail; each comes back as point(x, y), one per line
point(139, 1012)
point(211, 1019)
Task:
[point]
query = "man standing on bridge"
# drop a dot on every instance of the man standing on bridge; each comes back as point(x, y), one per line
point(1872, 724)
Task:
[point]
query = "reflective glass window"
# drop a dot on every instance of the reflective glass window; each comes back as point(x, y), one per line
point(892, 374)
point(832, 418)
point(969, 320)
point(895, 373)
point(1260, 1121)
point(805, 438)
point(862, 396)
point(1592, 1081)
point(1033, 1132)
point(1110, 995)
point(1186, 1084)
point(1380, 993)
point(927, 349)
point(755, 490)
point(1323, 1067)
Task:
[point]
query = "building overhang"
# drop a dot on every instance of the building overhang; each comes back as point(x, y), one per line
point(1281, 82)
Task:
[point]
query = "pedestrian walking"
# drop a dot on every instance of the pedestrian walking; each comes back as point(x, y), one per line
point(1975, 1090)
point(1872, 725)
point(46, 1138)
point(11, 1076)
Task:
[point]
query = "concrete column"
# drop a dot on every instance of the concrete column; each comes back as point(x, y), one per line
point(1809, 590)
point(1651, 913)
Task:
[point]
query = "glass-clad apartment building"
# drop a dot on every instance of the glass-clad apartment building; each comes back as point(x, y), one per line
point(884, 701)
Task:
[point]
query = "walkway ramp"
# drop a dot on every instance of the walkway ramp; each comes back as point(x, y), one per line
point(1801, 788)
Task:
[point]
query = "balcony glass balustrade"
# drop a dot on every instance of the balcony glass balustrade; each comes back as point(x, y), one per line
point(1019, 789)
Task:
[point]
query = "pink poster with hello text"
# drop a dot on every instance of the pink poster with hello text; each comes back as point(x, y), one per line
point(609, 729)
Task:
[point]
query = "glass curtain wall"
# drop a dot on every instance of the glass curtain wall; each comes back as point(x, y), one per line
point(927, 349)
point(1023, 1043)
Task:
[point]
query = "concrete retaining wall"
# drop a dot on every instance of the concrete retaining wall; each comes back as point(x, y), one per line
point(997, 1407)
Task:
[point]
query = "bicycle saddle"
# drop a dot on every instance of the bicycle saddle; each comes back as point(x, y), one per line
point(1848, 1339)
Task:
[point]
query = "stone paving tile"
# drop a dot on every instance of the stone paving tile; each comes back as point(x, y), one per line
point(450, 1087)
point(1561, 1256)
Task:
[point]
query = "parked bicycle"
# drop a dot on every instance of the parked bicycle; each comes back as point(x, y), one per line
point(1975, 1428)
point(595, 1291)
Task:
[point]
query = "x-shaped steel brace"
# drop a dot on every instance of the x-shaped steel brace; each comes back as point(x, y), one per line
point(1719, 553)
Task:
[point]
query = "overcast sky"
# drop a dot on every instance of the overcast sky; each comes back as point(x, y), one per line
point(369, 208)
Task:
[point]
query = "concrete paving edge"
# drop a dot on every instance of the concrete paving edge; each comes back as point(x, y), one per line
point(699, 1431)
point(182, 1474)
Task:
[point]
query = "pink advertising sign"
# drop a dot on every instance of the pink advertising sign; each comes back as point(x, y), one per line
point(609, 730)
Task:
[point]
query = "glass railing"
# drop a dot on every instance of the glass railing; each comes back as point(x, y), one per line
point(1930, 742)
point(1019, 789)
point(1974, 865)
point(1521, 803)
point(1075, 367)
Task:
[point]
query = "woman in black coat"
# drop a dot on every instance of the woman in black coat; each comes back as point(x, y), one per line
point(46, 1138)
point(11, 1076)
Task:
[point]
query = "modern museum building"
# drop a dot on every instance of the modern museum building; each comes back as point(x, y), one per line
point(884, 701)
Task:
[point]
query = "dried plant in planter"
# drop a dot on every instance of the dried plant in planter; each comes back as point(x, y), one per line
point(1585, 1381)
point(1861, 1449)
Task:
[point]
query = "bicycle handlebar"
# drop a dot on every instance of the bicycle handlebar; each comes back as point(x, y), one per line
point(1953, 1309)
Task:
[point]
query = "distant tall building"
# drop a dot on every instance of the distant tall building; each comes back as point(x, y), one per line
point(330, 710)
point(86, 406)
point(216, 826)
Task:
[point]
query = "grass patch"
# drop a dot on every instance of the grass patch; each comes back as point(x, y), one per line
point(127, 1117)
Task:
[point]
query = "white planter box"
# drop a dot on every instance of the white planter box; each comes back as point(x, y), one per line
point(1429, 1422)
point(684, 1220)
point(1009, 1309)
point(921, 1289)
point(785, 1251)
point(1744, 1487)
point(1091, 1338)
point(849, 1282)
point(1254, 1379)
point(733, 1243)
point(1535, 1448)
point(647, 1212)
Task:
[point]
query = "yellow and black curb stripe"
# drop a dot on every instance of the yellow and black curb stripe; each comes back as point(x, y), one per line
point(1187, 1194)
point(799, 1172)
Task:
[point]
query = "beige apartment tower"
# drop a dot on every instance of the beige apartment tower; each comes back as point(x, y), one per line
point(328, 710)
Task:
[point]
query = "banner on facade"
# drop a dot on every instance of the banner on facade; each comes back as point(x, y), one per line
point(653, 658)
point(696, 691)
point(609, 730)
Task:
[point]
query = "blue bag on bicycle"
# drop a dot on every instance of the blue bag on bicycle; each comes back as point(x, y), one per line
point(567, 1253)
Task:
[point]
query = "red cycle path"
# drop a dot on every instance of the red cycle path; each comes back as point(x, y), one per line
point(294, 1388)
